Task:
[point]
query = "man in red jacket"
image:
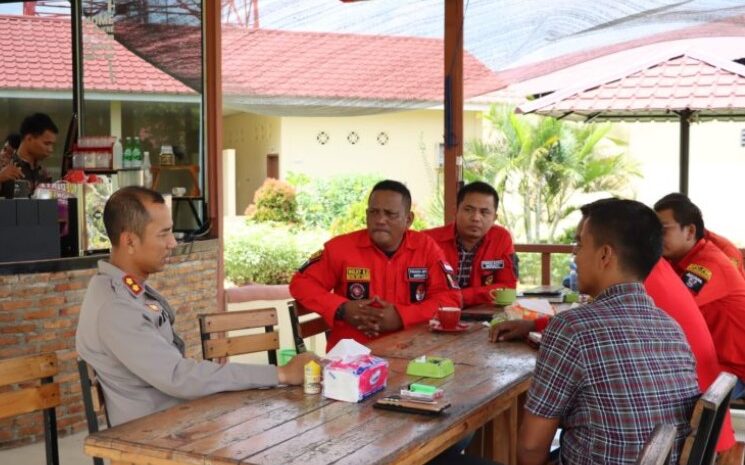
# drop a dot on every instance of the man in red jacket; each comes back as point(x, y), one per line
point(716, 285)
point(379, 280)
point(482, 251)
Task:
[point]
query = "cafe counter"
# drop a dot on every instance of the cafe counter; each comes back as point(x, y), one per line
point(39, 306)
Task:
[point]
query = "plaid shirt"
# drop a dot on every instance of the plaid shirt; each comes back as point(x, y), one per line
point(611, 371)
point(465, 260)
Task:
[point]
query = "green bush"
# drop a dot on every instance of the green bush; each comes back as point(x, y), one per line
point(321, 201)
point(267, 253)
point(530, 268)
point(276, 201)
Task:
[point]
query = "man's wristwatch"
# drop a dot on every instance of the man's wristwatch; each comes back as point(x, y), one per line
point(340, 313)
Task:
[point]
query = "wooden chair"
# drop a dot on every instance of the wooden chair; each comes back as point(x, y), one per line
point(306, 328)
point(657, 449)
point(706, 422)
point(93, 400)
point(216, 344)
point(45, 396)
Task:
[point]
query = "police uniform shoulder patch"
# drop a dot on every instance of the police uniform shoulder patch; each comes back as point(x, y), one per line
point(700, 271)
point(132, 285)
point(311, 260)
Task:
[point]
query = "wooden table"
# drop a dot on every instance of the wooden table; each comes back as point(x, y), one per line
point(284, 426)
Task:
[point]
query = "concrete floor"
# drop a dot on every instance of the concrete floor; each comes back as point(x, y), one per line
point(71, 448)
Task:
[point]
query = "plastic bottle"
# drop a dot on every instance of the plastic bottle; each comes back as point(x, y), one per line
point(136, 153)
point(312, 378)
point(117, 152)
point(128, 153)
point(147, 173)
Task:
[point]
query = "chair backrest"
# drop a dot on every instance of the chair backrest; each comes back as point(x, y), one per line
point(216, 344)
point(706, 422)
point(657, 449)
point(93, 400)
point(307, 327)
point(45, 396)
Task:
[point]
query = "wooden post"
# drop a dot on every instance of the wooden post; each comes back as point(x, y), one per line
point(453, 103)
point(213, 117)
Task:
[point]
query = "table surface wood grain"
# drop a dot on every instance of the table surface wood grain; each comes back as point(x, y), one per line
point(285, 426)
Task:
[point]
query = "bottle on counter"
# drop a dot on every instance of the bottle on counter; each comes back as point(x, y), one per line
point(166, 157)
point(117, 152)
point(136, 153)
point(127, 153)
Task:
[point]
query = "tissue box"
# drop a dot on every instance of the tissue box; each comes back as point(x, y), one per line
point(355, 379)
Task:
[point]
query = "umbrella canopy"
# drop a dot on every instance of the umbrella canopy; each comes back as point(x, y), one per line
point(677, 85)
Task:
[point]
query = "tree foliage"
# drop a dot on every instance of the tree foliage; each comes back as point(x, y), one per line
point(540, 165)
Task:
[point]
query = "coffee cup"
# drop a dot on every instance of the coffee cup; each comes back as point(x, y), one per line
point(449, 317)
point(503, 296)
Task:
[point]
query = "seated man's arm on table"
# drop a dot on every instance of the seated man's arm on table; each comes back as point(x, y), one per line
point(504, 277)
point(441, 290)
point(512, 330)
point(535, 438)
point(557, 379)
point(313, 283)
point(134, 338)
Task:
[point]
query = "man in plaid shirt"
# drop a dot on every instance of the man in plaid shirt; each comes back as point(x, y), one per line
point(610, 371)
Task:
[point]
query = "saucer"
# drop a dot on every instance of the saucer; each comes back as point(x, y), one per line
point(434, 325)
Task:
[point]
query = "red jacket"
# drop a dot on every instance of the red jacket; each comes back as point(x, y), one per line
point(672, 297)
point(729, 249)
point(416, 279)
point(494, 265)
point(719, 291)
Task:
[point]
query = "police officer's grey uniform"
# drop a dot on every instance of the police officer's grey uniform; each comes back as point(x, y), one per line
point(127, 337)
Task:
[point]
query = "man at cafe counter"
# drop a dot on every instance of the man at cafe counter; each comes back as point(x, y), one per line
point(482, 250)
point(380, 279)
point(125, 330)
point(24, 170)
point(608, 372)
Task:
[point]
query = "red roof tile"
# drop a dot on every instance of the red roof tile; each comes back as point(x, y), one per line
point(659, 87)
point(274, 63)
point(35, 55)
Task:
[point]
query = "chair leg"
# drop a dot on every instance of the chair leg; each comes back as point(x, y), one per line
point(50, 436)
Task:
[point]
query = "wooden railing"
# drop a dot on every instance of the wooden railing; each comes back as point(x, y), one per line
point(545, 250)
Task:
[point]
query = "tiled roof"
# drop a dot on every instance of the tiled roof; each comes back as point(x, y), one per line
point(273, 63)
point(660, 87)
point(35, 55)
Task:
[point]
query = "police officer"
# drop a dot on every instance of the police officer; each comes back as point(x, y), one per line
point(716, 285)
point(125, 331)
point(378, 280)
point(482, 250)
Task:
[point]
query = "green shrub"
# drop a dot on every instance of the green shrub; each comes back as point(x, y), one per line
point(530, 268)
point(276, 201)
point(321, 201)
point(267, 253)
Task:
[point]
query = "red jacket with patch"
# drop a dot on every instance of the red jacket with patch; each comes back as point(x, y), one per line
point(719, 290)
point(493, 265)
point(669, 294)
point(729, 249)
point(416, 279)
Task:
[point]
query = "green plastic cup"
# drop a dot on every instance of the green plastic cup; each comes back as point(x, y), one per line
point(285, 355)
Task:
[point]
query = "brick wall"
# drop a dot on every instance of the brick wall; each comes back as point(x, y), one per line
point(39, 313)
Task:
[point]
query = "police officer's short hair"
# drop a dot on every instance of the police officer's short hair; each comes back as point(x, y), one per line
point(125, 211)
point(477, 187)
point(36, 124)
point(631, 228)
point(394, 186)
point(684, 211)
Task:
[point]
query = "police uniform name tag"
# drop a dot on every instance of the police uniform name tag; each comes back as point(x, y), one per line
point(492, 264)
point(358, 282)
point(358, 274)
